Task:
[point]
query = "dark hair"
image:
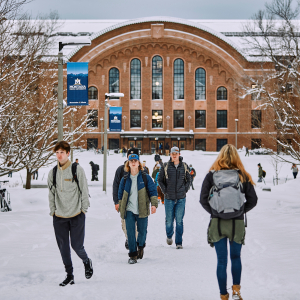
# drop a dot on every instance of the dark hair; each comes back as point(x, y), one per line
point(62, 145)
point(258, 164)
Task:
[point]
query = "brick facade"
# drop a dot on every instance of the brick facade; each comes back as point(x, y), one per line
point(223, 64)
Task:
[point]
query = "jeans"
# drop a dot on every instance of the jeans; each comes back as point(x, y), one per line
point(259, 179)
point(236, 264)
point(142, 224)
point(295, 174)
point(66, 228)
point(175, 210)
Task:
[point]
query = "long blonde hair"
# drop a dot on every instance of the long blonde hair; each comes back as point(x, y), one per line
point(127, 167)
point(229, 159)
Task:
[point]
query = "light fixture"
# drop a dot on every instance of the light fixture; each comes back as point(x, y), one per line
point(157, 83)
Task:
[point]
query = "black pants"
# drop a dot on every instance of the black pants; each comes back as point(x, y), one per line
point(66, 228)
point(95, 176)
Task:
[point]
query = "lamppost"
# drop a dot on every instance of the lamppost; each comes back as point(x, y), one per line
point(72, 143)
point(101, 125)
point(107, 96)
point(146, 118)
point(168, 118)
point(236, 121)
point(60, 89)
point(189, 117)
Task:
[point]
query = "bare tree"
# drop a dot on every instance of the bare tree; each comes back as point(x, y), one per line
point(273, 36)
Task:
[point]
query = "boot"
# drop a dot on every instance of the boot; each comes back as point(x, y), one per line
point(236, 294)
point(225, 297)
point(69, 280)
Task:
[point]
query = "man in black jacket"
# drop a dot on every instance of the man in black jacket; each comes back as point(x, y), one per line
point(174, 180)
point(95, 169)
point(118, 176)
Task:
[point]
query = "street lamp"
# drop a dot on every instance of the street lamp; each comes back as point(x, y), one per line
point(60, 90)
point(72, 143)
point(236, 121)
point(107, 96)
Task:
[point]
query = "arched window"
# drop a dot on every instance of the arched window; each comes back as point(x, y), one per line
point(178, 79)
point(200, 84)
point(92, 93)
point(114, 83)
point(135, 79)
point(221, 93)
point(157, 77)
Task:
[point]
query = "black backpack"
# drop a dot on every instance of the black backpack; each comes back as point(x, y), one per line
point(74, 173)
point(97, 167)
point(264, 173)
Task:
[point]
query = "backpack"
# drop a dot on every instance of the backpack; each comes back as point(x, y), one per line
point(264, 173)
point(186, 169)
point(144, 175)
point(74, 173)
point(226, 198)
point(97, 167)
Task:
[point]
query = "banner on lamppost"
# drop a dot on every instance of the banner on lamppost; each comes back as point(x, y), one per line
point(77, 83)
point(115, 119)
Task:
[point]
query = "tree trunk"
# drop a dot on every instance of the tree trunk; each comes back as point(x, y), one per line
point(28, 180)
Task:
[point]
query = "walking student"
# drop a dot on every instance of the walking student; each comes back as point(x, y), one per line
point(227, 194)
point(120, 172)
point(69, 202)
point(295, 170)
point(193, 174)
point(174, 180)
point(260, 173)
point(135, 197)
point(161, 196)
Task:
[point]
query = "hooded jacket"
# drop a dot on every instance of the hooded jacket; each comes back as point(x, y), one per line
point(178, 182)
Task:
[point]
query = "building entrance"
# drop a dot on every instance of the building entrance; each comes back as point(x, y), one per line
point(157, 145)
point(178, 143)
point(135, 144)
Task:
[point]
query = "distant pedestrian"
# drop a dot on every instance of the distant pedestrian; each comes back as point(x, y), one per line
point(260, 173)
point(247, 151)
point(77, 161)
point(95, 169)
point(227, 194)
point(193, 175)
point(155, 170)
point(167, 149)
point(160, 194)
point(174, 180)
point(145, 167)
point(9, 164)
point(160, 162)
point(135, 197)
point(156, 157)
point(161, 148)
point(69, 202)
point(35, 174)
point(295, 170)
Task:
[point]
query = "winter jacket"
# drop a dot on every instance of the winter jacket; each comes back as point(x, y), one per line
point(66, 201)
point(260, 172)
point(118, 176)
point(143, 198)
point(248, 189)
point(157, 157)
point(295, 169)
point(155, 171)
point(167, 146)
point(94, 168)
point(178, 182)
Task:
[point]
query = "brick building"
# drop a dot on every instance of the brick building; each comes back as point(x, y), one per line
point(180, 83)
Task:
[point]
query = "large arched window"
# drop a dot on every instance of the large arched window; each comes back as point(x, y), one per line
point(114, 83)
point(221, 93)
point(157, 77)
point(200, 84)
point(135, 79)
point(178, 79)
point(92, 93)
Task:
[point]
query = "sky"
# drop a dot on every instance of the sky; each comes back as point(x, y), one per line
point(131, 9)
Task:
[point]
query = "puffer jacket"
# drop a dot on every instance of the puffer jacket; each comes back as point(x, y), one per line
point(144, 199)
point(178, 182)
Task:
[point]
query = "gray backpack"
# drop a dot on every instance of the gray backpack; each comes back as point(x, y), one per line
point(226, 198)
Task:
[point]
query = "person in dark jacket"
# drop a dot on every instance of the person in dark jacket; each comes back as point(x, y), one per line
point(120, 172)
point(193, 174)
point(95, 169)
point(145, 167)
point(167, 149)
point(135, 197)
point(220, 230)
point(260, 173)
point(174, 180)
point(156, 157)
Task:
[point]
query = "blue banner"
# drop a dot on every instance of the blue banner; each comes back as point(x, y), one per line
point(77, 83)
point(115, 119)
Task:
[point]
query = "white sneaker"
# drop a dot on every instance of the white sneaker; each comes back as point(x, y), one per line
point(169, 241)
point(179, 247)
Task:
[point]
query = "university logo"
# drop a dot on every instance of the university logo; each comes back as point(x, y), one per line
point(77, 82)
point(77, 86)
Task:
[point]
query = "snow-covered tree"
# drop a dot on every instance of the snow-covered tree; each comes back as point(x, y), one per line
point(273, 37)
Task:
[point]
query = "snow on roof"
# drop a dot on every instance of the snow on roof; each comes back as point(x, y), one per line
point(198, 25)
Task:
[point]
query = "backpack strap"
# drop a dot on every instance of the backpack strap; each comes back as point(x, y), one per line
point(74, 173)
point(166, 169)
point(144, 175)
point(186, 169)
point(54, 172)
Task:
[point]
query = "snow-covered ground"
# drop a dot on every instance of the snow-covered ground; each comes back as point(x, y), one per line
point(31, 266)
